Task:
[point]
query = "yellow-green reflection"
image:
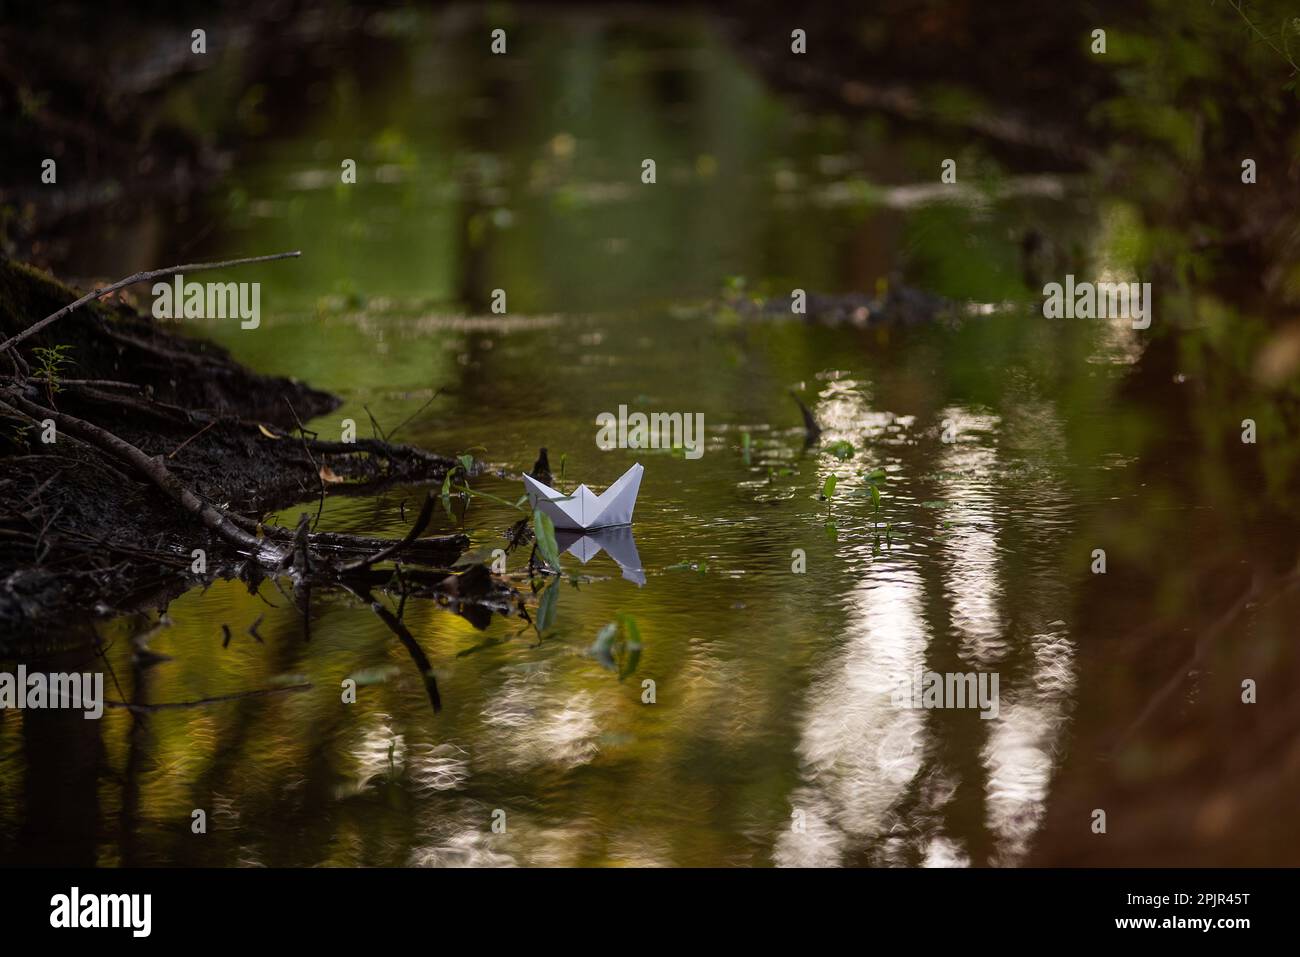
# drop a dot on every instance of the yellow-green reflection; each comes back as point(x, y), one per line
point(1012, 447)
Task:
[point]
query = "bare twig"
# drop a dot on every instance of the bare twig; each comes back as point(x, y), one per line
point(1205, 640)
point(102, 653)
point(102, 383)
point(302, 434)
point(401, 581)
point(421, 522)
point(172, 453)
point(131, 281)
point(166, 705)
point(1263, 36)
point(437, 392)
point(375, 425)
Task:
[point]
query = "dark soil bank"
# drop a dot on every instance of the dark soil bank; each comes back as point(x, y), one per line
point(79, 528)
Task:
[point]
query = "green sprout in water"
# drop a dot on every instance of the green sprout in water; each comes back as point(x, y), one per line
point(828, 492)
point(686, 565)
point(842, 450)
point(874, 479)
point(464, 465)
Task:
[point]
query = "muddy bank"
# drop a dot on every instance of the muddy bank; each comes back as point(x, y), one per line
point(85, 524)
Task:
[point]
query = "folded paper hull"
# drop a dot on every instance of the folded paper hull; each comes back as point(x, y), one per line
point(584, 509)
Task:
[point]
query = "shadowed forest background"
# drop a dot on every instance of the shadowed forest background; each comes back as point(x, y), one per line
point(1120, 691)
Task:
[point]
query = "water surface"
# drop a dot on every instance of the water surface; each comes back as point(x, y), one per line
point(1006, 443)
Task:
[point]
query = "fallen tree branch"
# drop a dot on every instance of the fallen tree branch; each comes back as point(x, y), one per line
point(436, 550)
point(230, 527)
point(190, 444)
point(131, 281)
point(152, 469)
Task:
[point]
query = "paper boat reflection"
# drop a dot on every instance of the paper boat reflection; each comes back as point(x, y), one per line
point(616, 540)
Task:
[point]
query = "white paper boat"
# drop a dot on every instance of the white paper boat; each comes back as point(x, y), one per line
point(616, 540)
point(584, 509)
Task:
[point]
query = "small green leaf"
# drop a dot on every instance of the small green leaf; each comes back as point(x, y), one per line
point(828, 487)
point(602, 648)
point(631, 652)
point(630, 627)
point(544, 529)
point(546, 608)
point(688, 566)
point(632, 659)
point(618, 645)
point(445, 495)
